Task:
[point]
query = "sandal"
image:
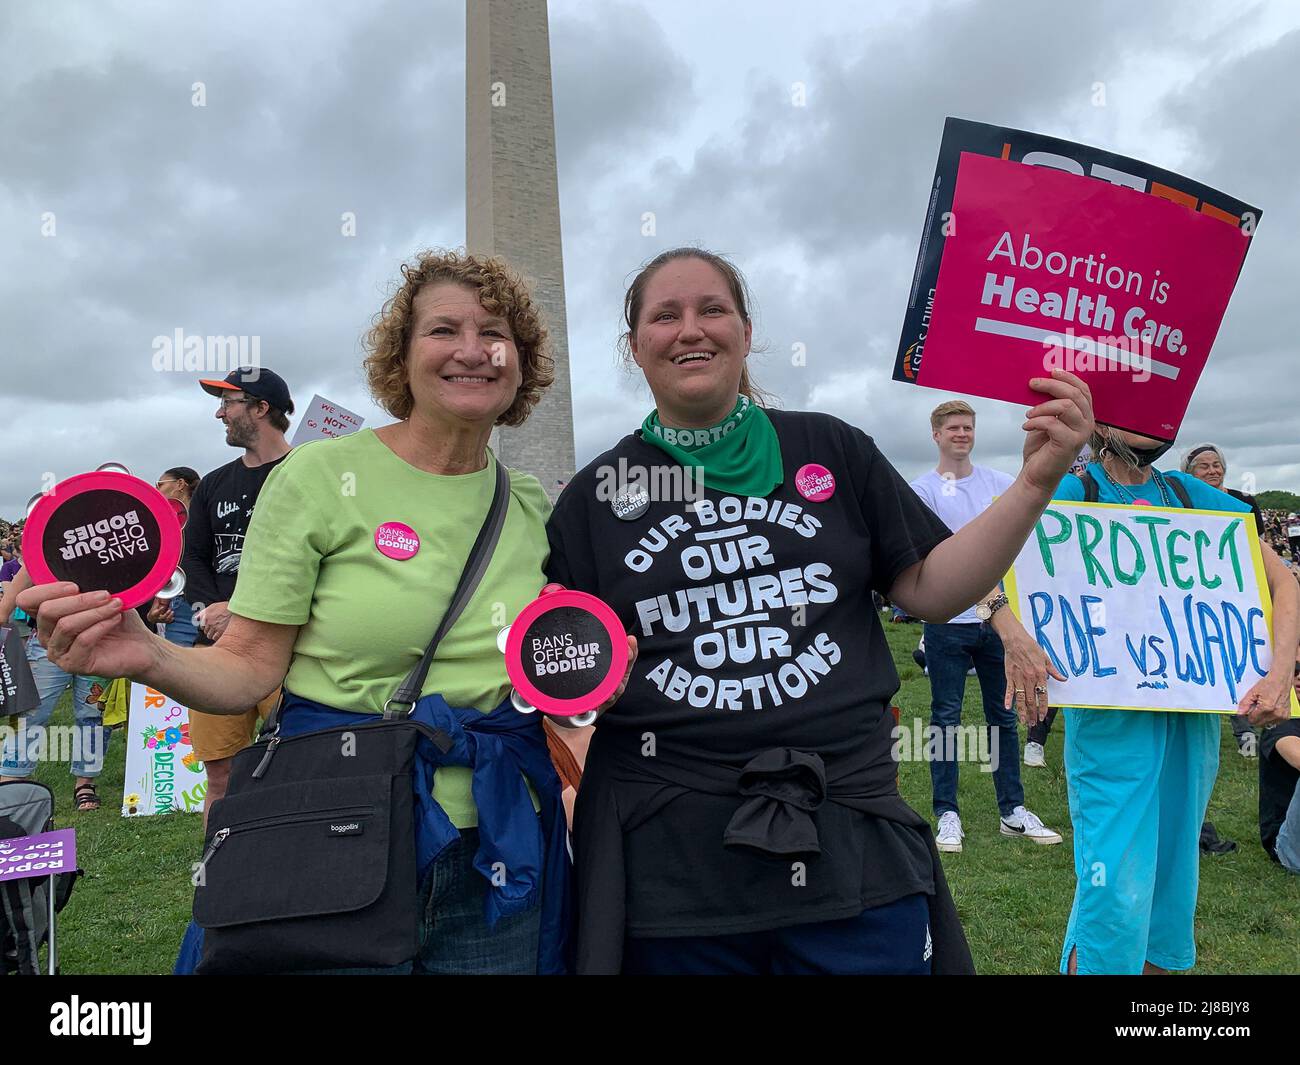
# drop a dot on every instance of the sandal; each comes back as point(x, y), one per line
point(86, 798)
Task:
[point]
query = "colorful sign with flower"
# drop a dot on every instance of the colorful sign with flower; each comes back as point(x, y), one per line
point(162, 771)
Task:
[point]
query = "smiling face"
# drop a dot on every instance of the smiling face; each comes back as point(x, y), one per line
point(462, 362)
point(1208, 467)
point(236, 412)
point(690, 342)
point(956, 436)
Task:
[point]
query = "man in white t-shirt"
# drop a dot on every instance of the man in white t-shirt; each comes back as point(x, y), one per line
point(958, 492)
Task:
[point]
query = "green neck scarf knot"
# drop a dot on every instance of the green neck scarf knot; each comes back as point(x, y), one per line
point(741, 455)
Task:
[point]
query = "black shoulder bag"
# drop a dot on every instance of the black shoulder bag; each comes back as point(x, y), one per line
point(310, 858)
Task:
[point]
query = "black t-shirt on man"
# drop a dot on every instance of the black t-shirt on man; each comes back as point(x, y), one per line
point(1278, 779)
point(756, 629)
point(214, 532)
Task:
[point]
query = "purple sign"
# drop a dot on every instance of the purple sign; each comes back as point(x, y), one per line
point(28, 856)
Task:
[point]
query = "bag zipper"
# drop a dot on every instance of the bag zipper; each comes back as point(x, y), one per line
point(222, 834)
point(217, 841)
point(265, 763)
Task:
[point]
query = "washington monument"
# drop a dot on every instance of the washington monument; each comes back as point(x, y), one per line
point(512, 202)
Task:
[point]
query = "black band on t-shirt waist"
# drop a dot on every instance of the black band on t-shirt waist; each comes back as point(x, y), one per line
point(780, 788)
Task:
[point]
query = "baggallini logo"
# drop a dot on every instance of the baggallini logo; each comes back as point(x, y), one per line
point(345, 828)
point(134, 1019)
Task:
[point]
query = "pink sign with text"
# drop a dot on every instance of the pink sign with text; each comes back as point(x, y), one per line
point(1043, 269)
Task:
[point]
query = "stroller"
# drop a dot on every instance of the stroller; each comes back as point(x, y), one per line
point(27, 907)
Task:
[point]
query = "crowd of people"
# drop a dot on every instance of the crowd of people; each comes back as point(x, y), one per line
point(1282, 533)
point(738, 808)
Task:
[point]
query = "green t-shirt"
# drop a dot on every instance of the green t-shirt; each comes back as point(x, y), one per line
point(310, 559)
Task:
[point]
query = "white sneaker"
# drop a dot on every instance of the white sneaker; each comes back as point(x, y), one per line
point(1025, 823)
point(948, 838)
point(1034, 754)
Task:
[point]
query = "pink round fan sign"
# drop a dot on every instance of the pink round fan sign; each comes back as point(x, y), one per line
point(815, 482)
point(566, 652)
point(104, 531)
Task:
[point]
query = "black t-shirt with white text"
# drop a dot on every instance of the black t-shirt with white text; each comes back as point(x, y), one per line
point(756, 629)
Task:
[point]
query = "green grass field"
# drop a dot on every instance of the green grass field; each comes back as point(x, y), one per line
point(129, 911)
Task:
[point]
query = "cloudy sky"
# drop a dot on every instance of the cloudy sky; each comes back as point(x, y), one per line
point(129, 213)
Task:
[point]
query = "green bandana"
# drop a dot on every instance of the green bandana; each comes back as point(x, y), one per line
point(740, 455)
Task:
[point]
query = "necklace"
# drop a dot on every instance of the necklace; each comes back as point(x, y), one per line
point(1124, 489)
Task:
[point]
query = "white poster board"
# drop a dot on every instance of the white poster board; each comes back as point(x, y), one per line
point(162, 771)
point(1146, 607)
point(323, 420)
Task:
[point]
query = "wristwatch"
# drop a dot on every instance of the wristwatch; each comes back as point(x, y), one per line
point(985, 611)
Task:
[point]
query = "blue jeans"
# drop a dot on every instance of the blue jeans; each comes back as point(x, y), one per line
point(181, 631)
point(454, 936)
point(31, 741)
point(950, 650)
point(1287, 844)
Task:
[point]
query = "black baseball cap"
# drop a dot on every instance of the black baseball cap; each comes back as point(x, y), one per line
point(255, 381)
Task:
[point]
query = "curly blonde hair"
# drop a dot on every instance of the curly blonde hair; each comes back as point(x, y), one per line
point(500, 290)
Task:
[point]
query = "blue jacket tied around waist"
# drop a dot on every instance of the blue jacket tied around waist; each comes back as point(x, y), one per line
point(522, 853)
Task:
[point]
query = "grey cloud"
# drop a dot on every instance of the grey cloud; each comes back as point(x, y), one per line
point(617, 80)
point(225, 220)
point(857, 158)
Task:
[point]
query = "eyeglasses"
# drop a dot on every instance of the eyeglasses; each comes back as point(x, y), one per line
point(167, 480)
point(226, 401)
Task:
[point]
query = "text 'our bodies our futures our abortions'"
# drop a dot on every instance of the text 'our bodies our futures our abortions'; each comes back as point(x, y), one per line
point(1145, 607)
point(733, 609)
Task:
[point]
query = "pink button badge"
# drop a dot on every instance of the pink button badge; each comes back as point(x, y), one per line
point(396, 540)
point(815, 482)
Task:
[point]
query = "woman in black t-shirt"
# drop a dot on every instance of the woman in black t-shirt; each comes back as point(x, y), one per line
point(739, 810)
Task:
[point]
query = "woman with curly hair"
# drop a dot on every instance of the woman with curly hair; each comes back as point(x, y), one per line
point(327, 604)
